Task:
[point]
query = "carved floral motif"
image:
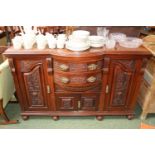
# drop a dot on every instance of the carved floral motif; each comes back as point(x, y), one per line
point(34, 88)
point(121, 82)
point(127, 63)
point(27, 65)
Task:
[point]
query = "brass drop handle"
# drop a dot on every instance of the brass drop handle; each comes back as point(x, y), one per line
point(92, 66)
point(64, 67)
point(91, 79)
point(79, 105)
point(48, 89)
point(64, 80)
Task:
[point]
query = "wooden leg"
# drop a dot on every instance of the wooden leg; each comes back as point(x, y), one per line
point(1, 106)
point(24, 117)
point(16, 97)
point(5, 117)
point(55, 118)
point(15, 94)
point(99, 118)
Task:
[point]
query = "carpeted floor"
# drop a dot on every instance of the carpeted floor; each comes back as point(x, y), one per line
point(45, 122)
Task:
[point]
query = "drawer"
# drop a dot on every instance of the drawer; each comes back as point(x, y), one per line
point(67, 102)
point(86, 79)
point(77, 102)
point(80, 67)
point(89, 102)
point(91, 88)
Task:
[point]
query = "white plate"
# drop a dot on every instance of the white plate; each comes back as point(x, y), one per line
point(97, 45)
point(96, 38)
point(77, 49)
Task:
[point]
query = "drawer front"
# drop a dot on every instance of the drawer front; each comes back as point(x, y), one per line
point(67, 102)
point(92, 89)
point(80, 67)
point(89, 102)
point(77, 79)
point(77, 102)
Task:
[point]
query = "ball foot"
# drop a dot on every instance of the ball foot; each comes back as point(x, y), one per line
point(99, 118)
point(130, 117)
point(25, 118)
point(55, 118)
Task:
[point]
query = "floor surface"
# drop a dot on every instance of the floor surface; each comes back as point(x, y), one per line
point(46, 122)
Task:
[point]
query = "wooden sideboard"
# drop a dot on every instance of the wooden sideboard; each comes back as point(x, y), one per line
point(96, 82)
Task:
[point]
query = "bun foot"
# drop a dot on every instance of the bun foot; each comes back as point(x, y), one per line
point(99, 118)
point(130, 117)
point(25, 118)
point(55, 118)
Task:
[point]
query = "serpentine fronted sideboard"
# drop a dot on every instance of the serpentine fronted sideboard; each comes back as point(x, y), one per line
point(59, 82)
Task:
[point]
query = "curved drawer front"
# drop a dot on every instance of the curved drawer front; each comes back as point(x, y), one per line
point(77, 79)
point(91, 88)
point(80, 67)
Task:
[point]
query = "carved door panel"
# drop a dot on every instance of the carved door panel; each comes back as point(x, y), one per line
point(89, 102)
point(34, 85)
point(67, 102)
point(120, 84)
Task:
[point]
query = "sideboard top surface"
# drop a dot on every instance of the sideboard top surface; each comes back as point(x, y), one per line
point(88, 53)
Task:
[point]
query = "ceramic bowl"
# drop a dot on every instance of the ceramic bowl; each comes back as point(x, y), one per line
point(81, 33)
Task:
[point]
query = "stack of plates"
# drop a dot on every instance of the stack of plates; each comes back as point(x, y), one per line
point(96, 41)
point(77, 46)
point(78, 41)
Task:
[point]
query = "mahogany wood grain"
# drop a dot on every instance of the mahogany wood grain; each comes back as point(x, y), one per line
point(38, 79)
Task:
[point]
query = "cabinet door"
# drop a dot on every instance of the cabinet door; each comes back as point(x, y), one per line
point(89, 102)
point(120, 84)
point(67, 102)
point(34, 84)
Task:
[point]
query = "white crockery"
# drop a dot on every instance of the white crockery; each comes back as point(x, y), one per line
point(62, 37)
point(52, 43)
point(51, 40)
point(60, 43)
point(41, 41)
point(77, 46)
point(131, 42)
point(27, 42)
point(97, 45)
point(110, 43)
point(80, 33)
point(48, 35)
point(80, 36)
point(17, 42)
point(96, 38)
